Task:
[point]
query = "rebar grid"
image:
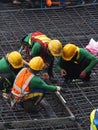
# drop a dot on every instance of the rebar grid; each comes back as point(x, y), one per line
point(75, 24)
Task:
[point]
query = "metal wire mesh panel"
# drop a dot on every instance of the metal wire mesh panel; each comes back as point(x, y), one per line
point(18, 118)
point(74, 24)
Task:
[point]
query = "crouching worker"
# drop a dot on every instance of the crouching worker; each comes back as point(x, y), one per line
point(94, 120)
point(10, 65)
point(28, 88)
point(76, 63)
point(39, 44)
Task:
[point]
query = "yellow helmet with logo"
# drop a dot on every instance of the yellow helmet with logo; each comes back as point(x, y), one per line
point(15, 59)
point(55, 47)
point(69, 50)
point(36, 63)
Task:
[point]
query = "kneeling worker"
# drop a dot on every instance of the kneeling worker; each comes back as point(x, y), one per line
point(28, 88)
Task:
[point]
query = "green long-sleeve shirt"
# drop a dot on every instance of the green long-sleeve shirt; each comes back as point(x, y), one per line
point(36, 50)
point(6, 68)
point(37, 82)
point(83, 54)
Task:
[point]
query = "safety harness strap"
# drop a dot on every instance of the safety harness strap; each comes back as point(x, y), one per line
point(32, 95)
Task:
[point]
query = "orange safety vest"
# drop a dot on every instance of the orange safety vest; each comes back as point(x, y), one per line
point(21, 85)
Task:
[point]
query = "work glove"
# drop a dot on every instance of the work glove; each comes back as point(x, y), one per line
point(60, 89)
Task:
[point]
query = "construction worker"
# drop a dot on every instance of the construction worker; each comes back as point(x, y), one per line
point(43, 46)
point(28, 88)
point(12, 62)
point(76, 63)
point(10, 65)
point(94, 120)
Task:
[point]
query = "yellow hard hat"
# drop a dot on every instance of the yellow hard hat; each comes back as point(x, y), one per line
point(69, 50)
point(15, 59)
point(36, 63)
point(55, 47)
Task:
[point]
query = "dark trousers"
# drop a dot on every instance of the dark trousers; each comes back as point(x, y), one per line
point(74, 69)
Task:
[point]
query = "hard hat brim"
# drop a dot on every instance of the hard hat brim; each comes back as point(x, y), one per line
point(19, 66)
point(67, 59)
point(55, 54)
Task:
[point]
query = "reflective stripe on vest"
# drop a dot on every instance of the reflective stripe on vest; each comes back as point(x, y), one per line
point(21, 84)
point(43, 40)
point(39, 37)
